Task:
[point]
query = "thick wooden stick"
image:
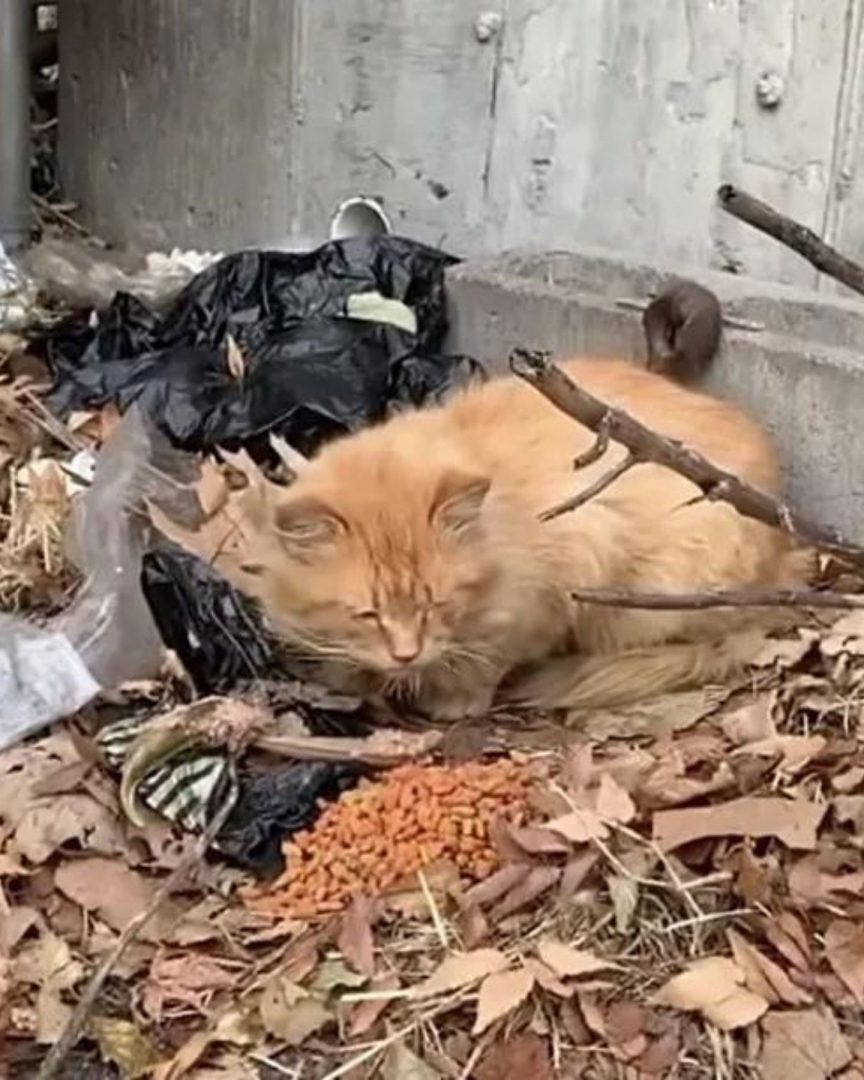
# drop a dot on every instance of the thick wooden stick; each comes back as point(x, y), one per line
point(537, 369)
point(799, 238)
point(733, 598)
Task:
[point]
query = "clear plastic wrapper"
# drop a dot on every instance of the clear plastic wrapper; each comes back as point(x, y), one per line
point(107, 635)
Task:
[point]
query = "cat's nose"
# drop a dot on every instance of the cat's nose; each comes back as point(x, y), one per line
point(404, 643)
point(405, 651)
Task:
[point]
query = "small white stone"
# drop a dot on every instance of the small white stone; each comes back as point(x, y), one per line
point(487, 25)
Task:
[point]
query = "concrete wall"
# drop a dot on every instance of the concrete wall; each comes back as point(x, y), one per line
point(550, 123)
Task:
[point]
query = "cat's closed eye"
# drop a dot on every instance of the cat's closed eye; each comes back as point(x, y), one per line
point(366, 615)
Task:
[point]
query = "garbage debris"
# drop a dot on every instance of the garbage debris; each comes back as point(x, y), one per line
point(217, 633)
point(273, 805)
point(81, 275)
point(186, 764)
point(107, 634)
point(17, 295)
point(327, 339)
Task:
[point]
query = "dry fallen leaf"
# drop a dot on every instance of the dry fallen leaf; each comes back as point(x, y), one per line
point(660, 1056)
point(567, 962)
point(538, 880)
point(523, 1057)
point(849, 810)
point(612, 802)
point(667, 784)
point(714, 986)
point(662, 715)
point(115, 892)
point(124, 1045)
point(400, 1063)
point(794, 821)
point(576, 871)
point(802, 1045)
point(579, 826)
point(14, 924)
point(355, 938)
point(788, 936)
point(624, 894)
point(459, 970)
point(499, 884)
point(49, 965)
point(845, 635)
point(751, 722)
point(365, 1013)
point(795, 751)
point(333, 974)
point(51, 822)
point(847, 781)
point(546, 977)
point(499, 995)
point(291, 1013)
point(234, 358)
point(784, 652)
point(625, 1022)
point(810, 885)
point(189, 978)
point(234, 1026)
point(535, 840)
point(763, 976)
point(844, 948)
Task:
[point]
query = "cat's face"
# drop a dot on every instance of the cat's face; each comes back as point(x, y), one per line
point(379, 581)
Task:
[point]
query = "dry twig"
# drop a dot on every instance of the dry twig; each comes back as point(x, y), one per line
point(732, 598)
point(537, 369)
point(75, 1025)
point(797, 237)
point(603, 482)
point(381, 749)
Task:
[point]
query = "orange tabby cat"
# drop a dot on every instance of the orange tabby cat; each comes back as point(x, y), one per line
point(411, 560)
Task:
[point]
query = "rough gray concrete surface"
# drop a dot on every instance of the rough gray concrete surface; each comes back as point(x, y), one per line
point(789, 356)
point(483, 126)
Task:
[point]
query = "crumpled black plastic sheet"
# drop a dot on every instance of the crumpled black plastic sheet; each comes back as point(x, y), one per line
point(216, 632)
point(272, 805)
point(311, 372)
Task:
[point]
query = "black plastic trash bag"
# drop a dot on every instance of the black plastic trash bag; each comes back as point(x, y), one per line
point(273, 805)
point(310, 371)
point(216, 632)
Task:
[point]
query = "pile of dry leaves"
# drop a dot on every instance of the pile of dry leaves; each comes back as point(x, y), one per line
point(684, 899)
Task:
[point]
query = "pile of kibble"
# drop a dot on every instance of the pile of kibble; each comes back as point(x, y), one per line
point(378, 835)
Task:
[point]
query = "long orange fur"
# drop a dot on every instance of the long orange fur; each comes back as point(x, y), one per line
point(410, 559)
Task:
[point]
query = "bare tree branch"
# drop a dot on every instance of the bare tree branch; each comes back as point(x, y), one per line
point(595, 452)
point(537, 369)
point(603, 482)
point(799, 238)
point(733, 598)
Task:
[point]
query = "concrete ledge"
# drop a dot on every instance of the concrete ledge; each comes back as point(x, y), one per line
point(791, 357)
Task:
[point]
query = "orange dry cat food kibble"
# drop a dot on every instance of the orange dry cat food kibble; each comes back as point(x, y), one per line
point(383, 832)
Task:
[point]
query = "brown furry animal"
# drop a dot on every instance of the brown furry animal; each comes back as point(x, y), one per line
point(410, 559)
point(682, 330)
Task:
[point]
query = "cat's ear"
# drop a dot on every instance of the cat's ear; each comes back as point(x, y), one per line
point(304, 523)
point(458, 500)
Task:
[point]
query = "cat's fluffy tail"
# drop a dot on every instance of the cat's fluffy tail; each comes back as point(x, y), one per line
point(622, 678)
